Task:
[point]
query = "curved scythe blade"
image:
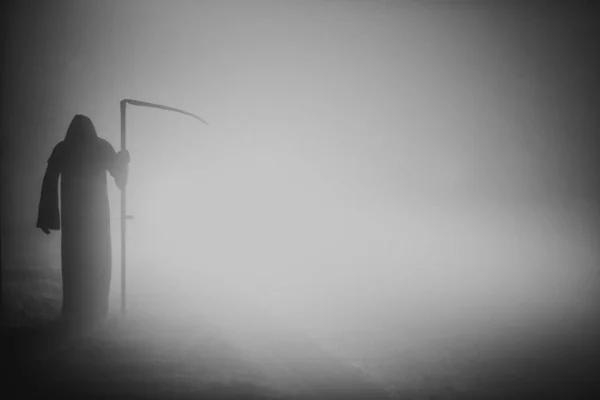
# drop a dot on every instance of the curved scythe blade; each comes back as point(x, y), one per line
point(159, 106)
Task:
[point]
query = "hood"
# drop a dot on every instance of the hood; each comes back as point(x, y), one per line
point(81, 130)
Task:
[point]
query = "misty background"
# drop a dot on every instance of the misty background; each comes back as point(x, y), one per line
point(383, 175)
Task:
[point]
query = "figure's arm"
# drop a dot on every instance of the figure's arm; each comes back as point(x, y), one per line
point(117, 165)
point(48, 211)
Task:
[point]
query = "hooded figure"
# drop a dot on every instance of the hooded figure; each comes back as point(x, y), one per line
point(81, 161)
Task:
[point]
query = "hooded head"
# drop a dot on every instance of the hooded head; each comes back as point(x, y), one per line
point(81, 130)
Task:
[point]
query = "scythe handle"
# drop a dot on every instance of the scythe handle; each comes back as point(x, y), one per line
point(123, 216)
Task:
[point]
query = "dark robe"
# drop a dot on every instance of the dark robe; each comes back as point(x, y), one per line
point(81, 161)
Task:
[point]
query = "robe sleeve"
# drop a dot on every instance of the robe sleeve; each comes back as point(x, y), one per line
point(48, 210)
point(116, 163)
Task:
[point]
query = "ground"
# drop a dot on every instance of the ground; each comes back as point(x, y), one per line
point(142, 356)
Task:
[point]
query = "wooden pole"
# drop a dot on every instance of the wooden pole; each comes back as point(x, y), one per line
point(123, 215)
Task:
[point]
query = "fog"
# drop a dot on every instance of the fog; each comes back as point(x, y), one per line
point(290, 233)
point(381, 177)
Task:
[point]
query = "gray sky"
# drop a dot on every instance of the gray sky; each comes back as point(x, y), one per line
point(460, 103)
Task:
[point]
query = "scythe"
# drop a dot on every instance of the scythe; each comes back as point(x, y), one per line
point(124, 215)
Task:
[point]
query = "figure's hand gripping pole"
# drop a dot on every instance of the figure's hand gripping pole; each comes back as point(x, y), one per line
point(124, 216)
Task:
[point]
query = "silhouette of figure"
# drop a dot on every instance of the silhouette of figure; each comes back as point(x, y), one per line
point(81, 161)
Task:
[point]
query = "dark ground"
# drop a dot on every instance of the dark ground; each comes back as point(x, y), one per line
point(140, 360)
point(142, 357)
point(146, 357)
